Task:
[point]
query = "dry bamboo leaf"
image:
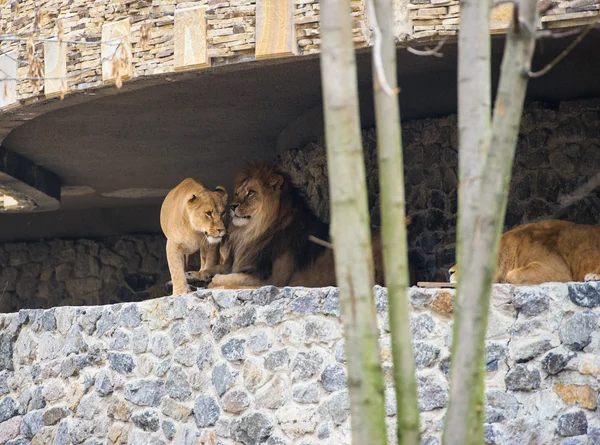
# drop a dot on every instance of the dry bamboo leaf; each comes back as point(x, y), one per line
point(63, 88)
point(145, 35)
point(30, 48)
point(61, 30)
point(5, 92)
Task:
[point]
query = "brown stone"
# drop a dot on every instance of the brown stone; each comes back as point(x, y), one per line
point(442, 302)
point(119, 410)
point(590, 365)
point(583, 395)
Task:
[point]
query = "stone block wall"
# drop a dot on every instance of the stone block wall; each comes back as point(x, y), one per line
point(558, 151)
point(82, 272)
point(268, 366)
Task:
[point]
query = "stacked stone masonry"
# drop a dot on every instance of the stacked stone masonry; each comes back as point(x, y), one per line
point(230, 28)
point(268, 366)
point(558, 152)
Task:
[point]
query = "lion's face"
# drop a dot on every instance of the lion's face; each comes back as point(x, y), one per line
point(206, 212)
point(254, 198)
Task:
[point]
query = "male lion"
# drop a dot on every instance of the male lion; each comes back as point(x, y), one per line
point(191, 218)
point(547, 251)
point(269, 238)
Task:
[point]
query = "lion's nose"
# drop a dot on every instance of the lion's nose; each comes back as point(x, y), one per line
point(234, 206)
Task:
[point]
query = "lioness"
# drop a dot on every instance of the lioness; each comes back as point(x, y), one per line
point(547, 251)
point(269, 236)
point(191, 218)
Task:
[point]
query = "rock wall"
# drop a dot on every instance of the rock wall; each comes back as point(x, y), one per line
point(558, 151)
point(82, 272)
point(268, 366)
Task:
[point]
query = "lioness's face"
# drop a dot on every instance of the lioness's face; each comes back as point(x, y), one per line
point(254, 197)
point(453, 274)
point(207, 212)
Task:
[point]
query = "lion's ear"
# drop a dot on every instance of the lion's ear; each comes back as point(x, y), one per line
point(221, 191)
point(276, 181)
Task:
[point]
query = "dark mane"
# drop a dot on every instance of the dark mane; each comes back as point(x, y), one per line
point(295, 223)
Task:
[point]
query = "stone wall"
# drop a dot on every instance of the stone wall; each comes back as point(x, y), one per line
point(557, 152)
point(82, 272)
point(268, 366)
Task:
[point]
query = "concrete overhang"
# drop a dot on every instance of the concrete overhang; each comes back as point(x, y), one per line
point(117, 152)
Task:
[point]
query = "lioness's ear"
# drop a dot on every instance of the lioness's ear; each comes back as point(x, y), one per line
point(407, 220)
point(192, 198)
point(221, 191)
point(276, 181)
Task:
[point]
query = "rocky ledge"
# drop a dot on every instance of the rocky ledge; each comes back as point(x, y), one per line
point(268, 366)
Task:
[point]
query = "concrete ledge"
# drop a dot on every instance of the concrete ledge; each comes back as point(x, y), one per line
point(268, 366)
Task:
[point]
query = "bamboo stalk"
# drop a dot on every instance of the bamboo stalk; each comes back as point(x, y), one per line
point(464, 421)
point(350, 223)
point(395, 256)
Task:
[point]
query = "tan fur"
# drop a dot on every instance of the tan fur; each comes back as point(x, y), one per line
point(547, 251)
point(262, 210)
point(191, 218)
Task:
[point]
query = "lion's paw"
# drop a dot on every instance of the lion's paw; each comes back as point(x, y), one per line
point(592, 277)
point(219, 280)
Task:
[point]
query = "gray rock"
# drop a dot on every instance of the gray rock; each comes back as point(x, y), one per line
point(224, 299)
point(340, 352)
point(160, 345)
point(107, 321)
point(32, 423)
point(500, 406)
point(146, 420)
point(493, 434)
point(3, 382)
point(276, 441)
point(103, 385)
point(425, 354)
point(593, 435)
point(530, 350)
point(75, 343)
point(161, 369)
point(494, 352)
point(145, 392)
point(185, 356)
point(223, 428)
point(139, 341)
point(422, 325)
point(521, 378)
point(306, 393)
point(275, 312)
point(381, 298)
point(177, 385)
point(49, 320)
point(8, 409)
point(221, 327)
point(259, 341)
point(432, 392)
point(581, 440)
point(331, 303)
point(324, 430)
point(19, 441)
point(275, 393)
point(336, 408)
point(265, 295)
point(235, 402)
point(277, 360)
point(5, 352)
point(252, 428)
point(333, 377)
point(37, 398)
point(206, 354)
point(223, 378)
point(62, 434)
point(556, 361)
point(130, 316)
point(307, 364)
point(576, 332)
point(120, 362)
point(206, 411)
point(120, 339)
point(179, 335)
point(54, 415)
point(179, 308)
point(234, 349)
point(573, 423)
point(306, 305)
point(430, 441)
point(530, 301)
point(198, 321)
point(169, 429)
point(585, 294)
point(245, 317)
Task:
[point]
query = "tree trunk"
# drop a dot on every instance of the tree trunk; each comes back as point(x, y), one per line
point(350, 223)
point(391, 179)
point(464, 421)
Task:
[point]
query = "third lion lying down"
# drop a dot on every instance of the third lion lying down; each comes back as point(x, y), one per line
point(269, 236)
point(547, 251)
